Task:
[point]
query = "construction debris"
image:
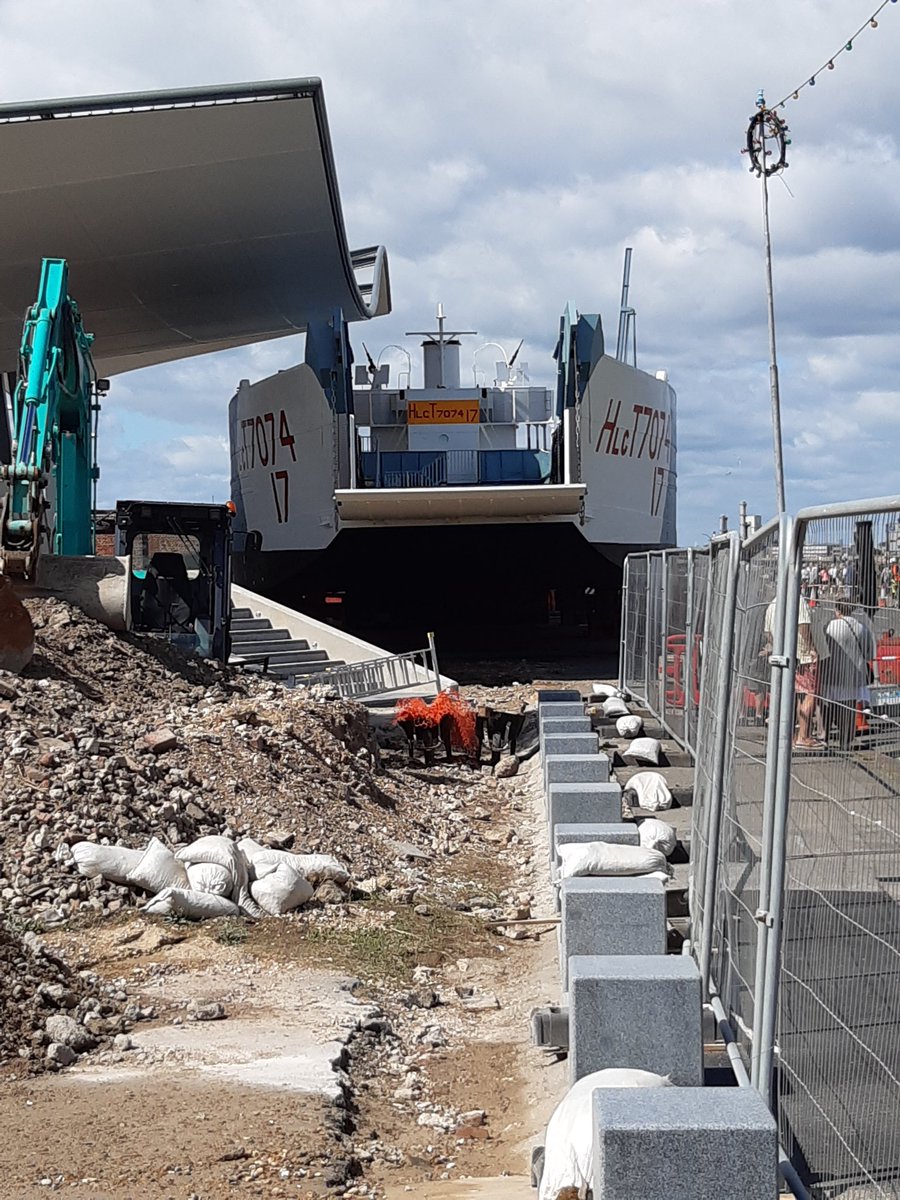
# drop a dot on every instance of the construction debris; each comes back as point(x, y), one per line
point(50, 1014)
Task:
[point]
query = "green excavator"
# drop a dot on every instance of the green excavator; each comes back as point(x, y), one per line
point(48, 490)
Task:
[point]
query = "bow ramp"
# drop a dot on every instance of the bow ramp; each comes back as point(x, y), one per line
point(192, 220)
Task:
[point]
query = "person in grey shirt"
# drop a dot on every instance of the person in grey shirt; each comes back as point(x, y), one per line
point(851, 647)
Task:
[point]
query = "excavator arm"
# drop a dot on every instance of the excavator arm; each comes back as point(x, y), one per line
point(48, 504)
point(46, 514)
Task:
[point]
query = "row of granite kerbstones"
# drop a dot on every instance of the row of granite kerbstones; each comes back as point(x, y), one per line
point(632, 1005)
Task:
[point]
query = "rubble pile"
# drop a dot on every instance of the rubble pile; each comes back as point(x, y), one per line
point(50, 1014)
point(114, 739)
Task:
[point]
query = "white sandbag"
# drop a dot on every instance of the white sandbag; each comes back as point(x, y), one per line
point(281, 890)
point(605, 690)
point(158, 868)
point(248, 846)
point(107, 862)
point(657, 835)
point(223, 852)
point(607, 858)
point(211, 878)
point(197, 906)
point(569, 1141)
point(643, 750)
point(630, 726)
point(648, 790)
point(314, 867)
point(210, 849)
point(615, 706)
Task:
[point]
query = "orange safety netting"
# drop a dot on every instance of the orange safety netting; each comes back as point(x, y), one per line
point(445, 704)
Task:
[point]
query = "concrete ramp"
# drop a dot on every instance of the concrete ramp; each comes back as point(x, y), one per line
point(295, 647)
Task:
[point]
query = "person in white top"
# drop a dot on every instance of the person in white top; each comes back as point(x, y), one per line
point(805, 674)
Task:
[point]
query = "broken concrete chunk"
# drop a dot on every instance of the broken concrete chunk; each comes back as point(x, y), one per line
point(69, 1032)
point(60, 1055)
point(209, 1010)
point(160, 741)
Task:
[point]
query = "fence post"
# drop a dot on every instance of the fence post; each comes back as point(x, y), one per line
point(434, 664)
point(721, 701)
point(647, 640)
point(781, 798)
point(663, 664)
point(776, 676)
point(623, 627)
point(687, 661)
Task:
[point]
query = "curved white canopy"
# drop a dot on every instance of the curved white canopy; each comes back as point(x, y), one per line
point(191, 220)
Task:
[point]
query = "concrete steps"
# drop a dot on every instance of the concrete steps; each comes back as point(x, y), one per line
point(256, 644)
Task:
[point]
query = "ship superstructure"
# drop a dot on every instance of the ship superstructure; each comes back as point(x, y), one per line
point(453, 486)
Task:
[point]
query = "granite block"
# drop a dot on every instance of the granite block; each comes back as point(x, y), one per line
point(575, 768)
point(620, 832)
point(683, 1143)
point(570, 743)
point(573, 803)
point(611, 915)
point(553, 711)
point(557, 696)
point(565, 725)
point(636, 1011)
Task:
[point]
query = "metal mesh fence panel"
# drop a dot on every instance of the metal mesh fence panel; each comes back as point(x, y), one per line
point(698, 570)
point(674, 656)
point(656, 605)
point(714, 668)
point(736, 965)
point(633, 669)
point(837, 1050)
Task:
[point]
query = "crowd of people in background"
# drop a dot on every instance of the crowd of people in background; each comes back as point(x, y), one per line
point(838, 580)
point(843, 647)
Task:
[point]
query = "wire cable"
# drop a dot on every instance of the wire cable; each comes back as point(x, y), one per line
point(870, 23)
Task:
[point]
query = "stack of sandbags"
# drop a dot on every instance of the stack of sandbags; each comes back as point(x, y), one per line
point(214, 876)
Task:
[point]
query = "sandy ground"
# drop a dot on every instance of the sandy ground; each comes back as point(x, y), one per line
point(259, 1104)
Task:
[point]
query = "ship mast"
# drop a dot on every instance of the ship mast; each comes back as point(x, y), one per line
point(440, 338)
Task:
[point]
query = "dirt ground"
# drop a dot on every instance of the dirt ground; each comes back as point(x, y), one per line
point(299, 1091)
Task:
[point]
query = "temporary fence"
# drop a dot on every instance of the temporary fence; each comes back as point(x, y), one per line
point(793, 641)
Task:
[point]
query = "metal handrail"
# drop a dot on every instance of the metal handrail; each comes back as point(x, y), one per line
point(392, 673)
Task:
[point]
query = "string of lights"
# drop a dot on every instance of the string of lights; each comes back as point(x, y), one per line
point(869, 23)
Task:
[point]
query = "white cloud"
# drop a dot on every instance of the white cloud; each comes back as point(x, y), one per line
point(507, 153)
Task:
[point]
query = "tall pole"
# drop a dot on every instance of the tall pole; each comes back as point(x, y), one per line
point(773, 354)
point(767, 124)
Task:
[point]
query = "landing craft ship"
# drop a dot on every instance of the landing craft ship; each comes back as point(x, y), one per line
point(505, 503)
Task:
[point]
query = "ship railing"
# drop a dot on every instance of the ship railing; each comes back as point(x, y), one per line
point(436, 468)
point(416, 671)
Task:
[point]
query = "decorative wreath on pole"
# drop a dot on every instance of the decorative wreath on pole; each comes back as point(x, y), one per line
point(766, 126)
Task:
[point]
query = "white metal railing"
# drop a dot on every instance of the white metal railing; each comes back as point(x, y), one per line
point(382, 676)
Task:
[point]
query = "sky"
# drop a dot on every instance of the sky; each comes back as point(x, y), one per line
point(506, 152)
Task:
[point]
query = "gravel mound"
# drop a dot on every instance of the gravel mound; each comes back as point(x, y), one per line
point(116, 738)
point(49, 1014)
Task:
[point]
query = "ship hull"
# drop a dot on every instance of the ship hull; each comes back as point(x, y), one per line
point(364, 555)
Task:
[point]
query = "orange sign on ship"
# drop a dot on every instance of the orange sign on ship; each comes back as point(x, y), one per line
point(443, 412)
